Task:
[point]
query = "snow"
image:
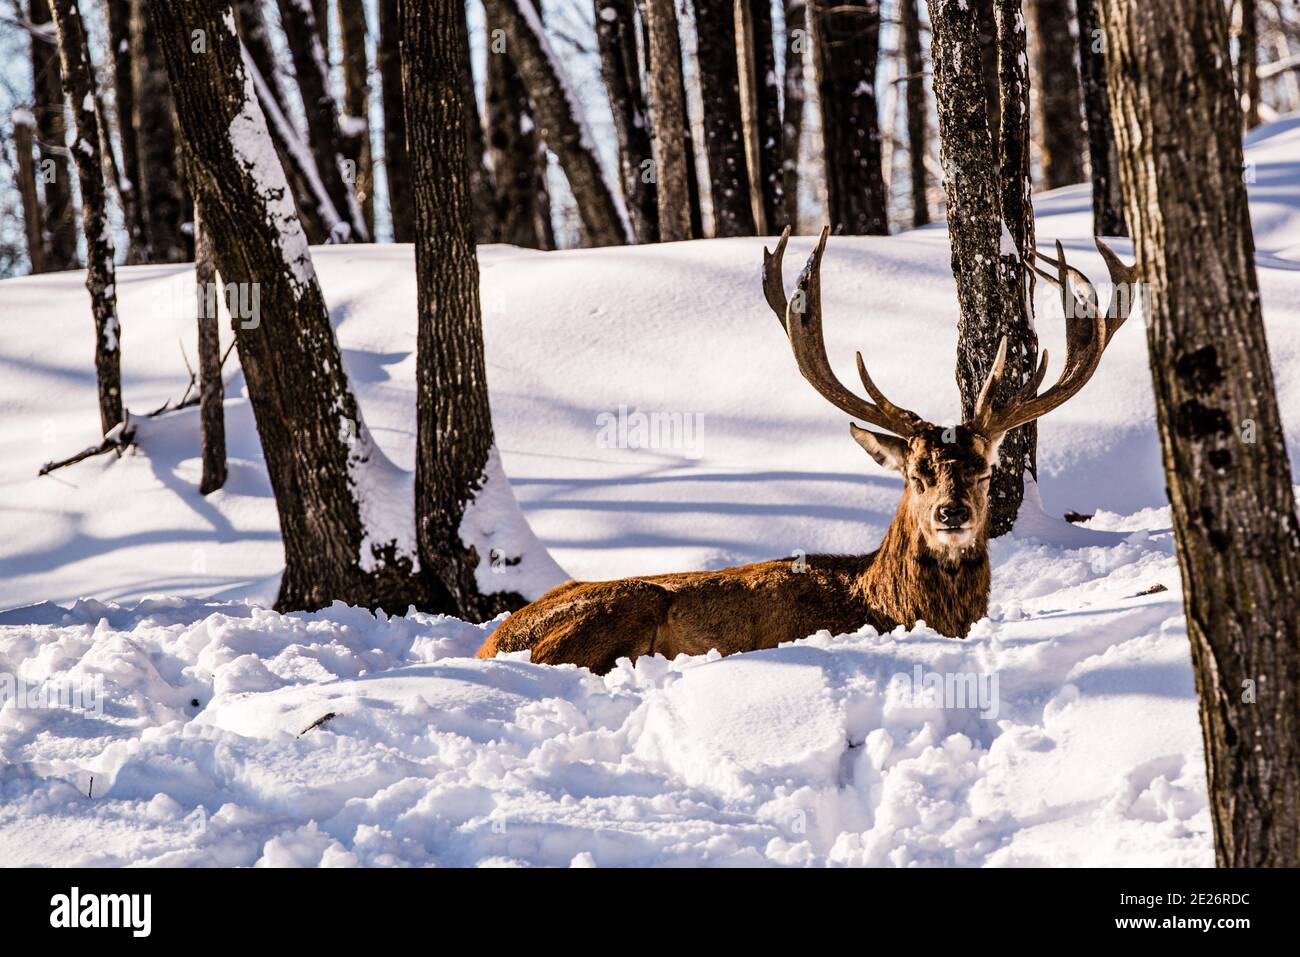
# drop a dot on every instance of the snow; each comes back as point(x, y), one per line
point(1079, 742)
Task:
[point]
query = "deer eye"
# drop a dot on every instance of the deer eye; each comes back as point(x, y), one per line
point(917, 483)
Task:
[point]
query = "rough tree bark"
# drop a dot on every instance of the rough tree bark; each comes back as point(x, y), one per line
point(158, 180)
point(724, 140)
point(24, 124)
point(991, 300)
point(456, 461)
point(1178, 123)
point(79, 81)
point(561, 121)
point(331, 482)
point(1107, 199)
point(356, 103)
point(766, 116)
point(1059, 120)
point(987, 38)
point(796, 34)
point(1248, 63)
point(212, 396)
point(667, 93)
point(523, 200)
point(324, 133)
point(848, 46)
point(482, 185)
point(909, 26)
point(397, 170)
point(621, 71)
point(119, 44)
point(55, 170)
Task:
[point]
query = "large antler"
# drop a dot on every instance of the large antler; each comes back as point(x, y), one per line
point(801, 318)
point(1087, 333)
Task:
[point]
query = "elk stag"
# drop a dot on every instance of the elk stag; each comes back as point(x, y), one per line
point(933, 563)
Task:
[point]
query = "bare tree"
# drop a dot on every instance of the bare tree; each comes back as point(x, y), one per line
point(356, 103)
point(984, 175)
point(667, 93)
point(848, 47)
point(796, 35)
point(482, 183)
point(1178, 123)
point(1057, 116)
point(1248, 63)
point(324, 133)
point(212, 396)
point(79, 82)
point(620, 69)
point(119, 44)
point(397, 171)
point(24, 124)
point(724, 141)
point(333, 486)
point(763, 120)
point(55, 171)
point(563, 127)
point(1107, 200)
point(476, 565)
point(159, 180)
point(909, 26)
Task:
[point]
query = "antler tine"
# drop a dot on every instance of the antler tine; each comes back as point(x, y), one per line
point(1123, 281)
point(1087, 301)
point(803, 322)
point(1086, 338)
point(773, 281)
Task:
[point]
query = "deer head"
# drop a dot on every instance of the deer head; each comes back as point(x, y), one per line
point(946, 470)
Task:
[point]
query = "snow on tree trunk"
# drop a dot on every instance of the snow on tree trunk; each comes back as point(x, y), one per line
point(212, 418)
point(397, 170)
point(983, 176)
point(159, 180)
point(620, 69)
point(848, 46)
point(346, 517)
point(1057, 114)
point(668, 94)
point(55, 171)
point(24, 126)
point(563, 126)
point(356, 103)
point(79, 81)
point(473, 538)
point(1178, 123)
point(724, 141)
point(796, 35)
point(324, 133)
point(1107, 200)
point(917, 108)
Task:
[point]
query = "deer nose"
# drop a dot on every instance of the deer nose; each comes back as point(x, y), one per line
point(952, 515)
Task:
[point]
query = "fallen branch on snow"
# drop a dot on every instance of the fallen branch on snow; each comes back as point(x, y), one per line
point(117, 440)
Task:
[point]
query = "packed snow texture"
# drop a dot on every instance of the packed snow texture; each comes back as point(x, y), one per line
point(1066, 734)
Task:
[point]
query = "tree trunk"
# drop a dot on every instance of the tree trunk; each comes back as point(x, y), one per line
point(477, 563)
point(24, 124)
point(343, 540)
point(119, 43)
point(212, 396)
point(766, 115)
point(620, 69)
point(482, 186)
point(1178, 122)
point(987, 39)
point(1248, 63)
point(796, 32)
point(909, 26)
point(724, 141)
point(563, 127)
point(1059, 120)
point(667, 93)
point(1107, 200)
point(397, 170)
point(848, 46)
point(356, 103)
point(55, 170)
point(523, 201)
point(158, 179)
point(991, 300)
point(256, 34)
point(79, 81)
point(324, 134)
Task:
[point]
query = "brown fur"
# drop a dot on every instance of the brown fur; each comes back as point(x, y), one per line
point(914, 575)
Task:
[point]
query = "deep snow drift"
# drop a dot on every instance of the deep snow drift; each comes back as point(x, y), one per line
point(1078, 742)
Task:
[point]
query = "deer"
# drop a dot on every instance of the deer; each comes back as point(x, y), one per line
point(932, 565)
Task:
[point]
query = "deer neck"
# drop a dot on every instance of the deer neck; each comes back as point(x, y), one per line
point(908, 581)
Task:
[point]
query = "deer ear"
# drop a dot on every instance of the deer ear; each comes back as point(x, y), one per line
point(888, 450)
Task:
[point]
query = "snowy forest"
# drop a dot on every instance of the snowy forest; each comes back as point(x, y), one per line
point(403, 466)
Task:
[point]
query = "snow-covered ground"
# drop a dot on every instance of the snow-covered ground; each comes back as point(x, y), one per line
point(1080, 743)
